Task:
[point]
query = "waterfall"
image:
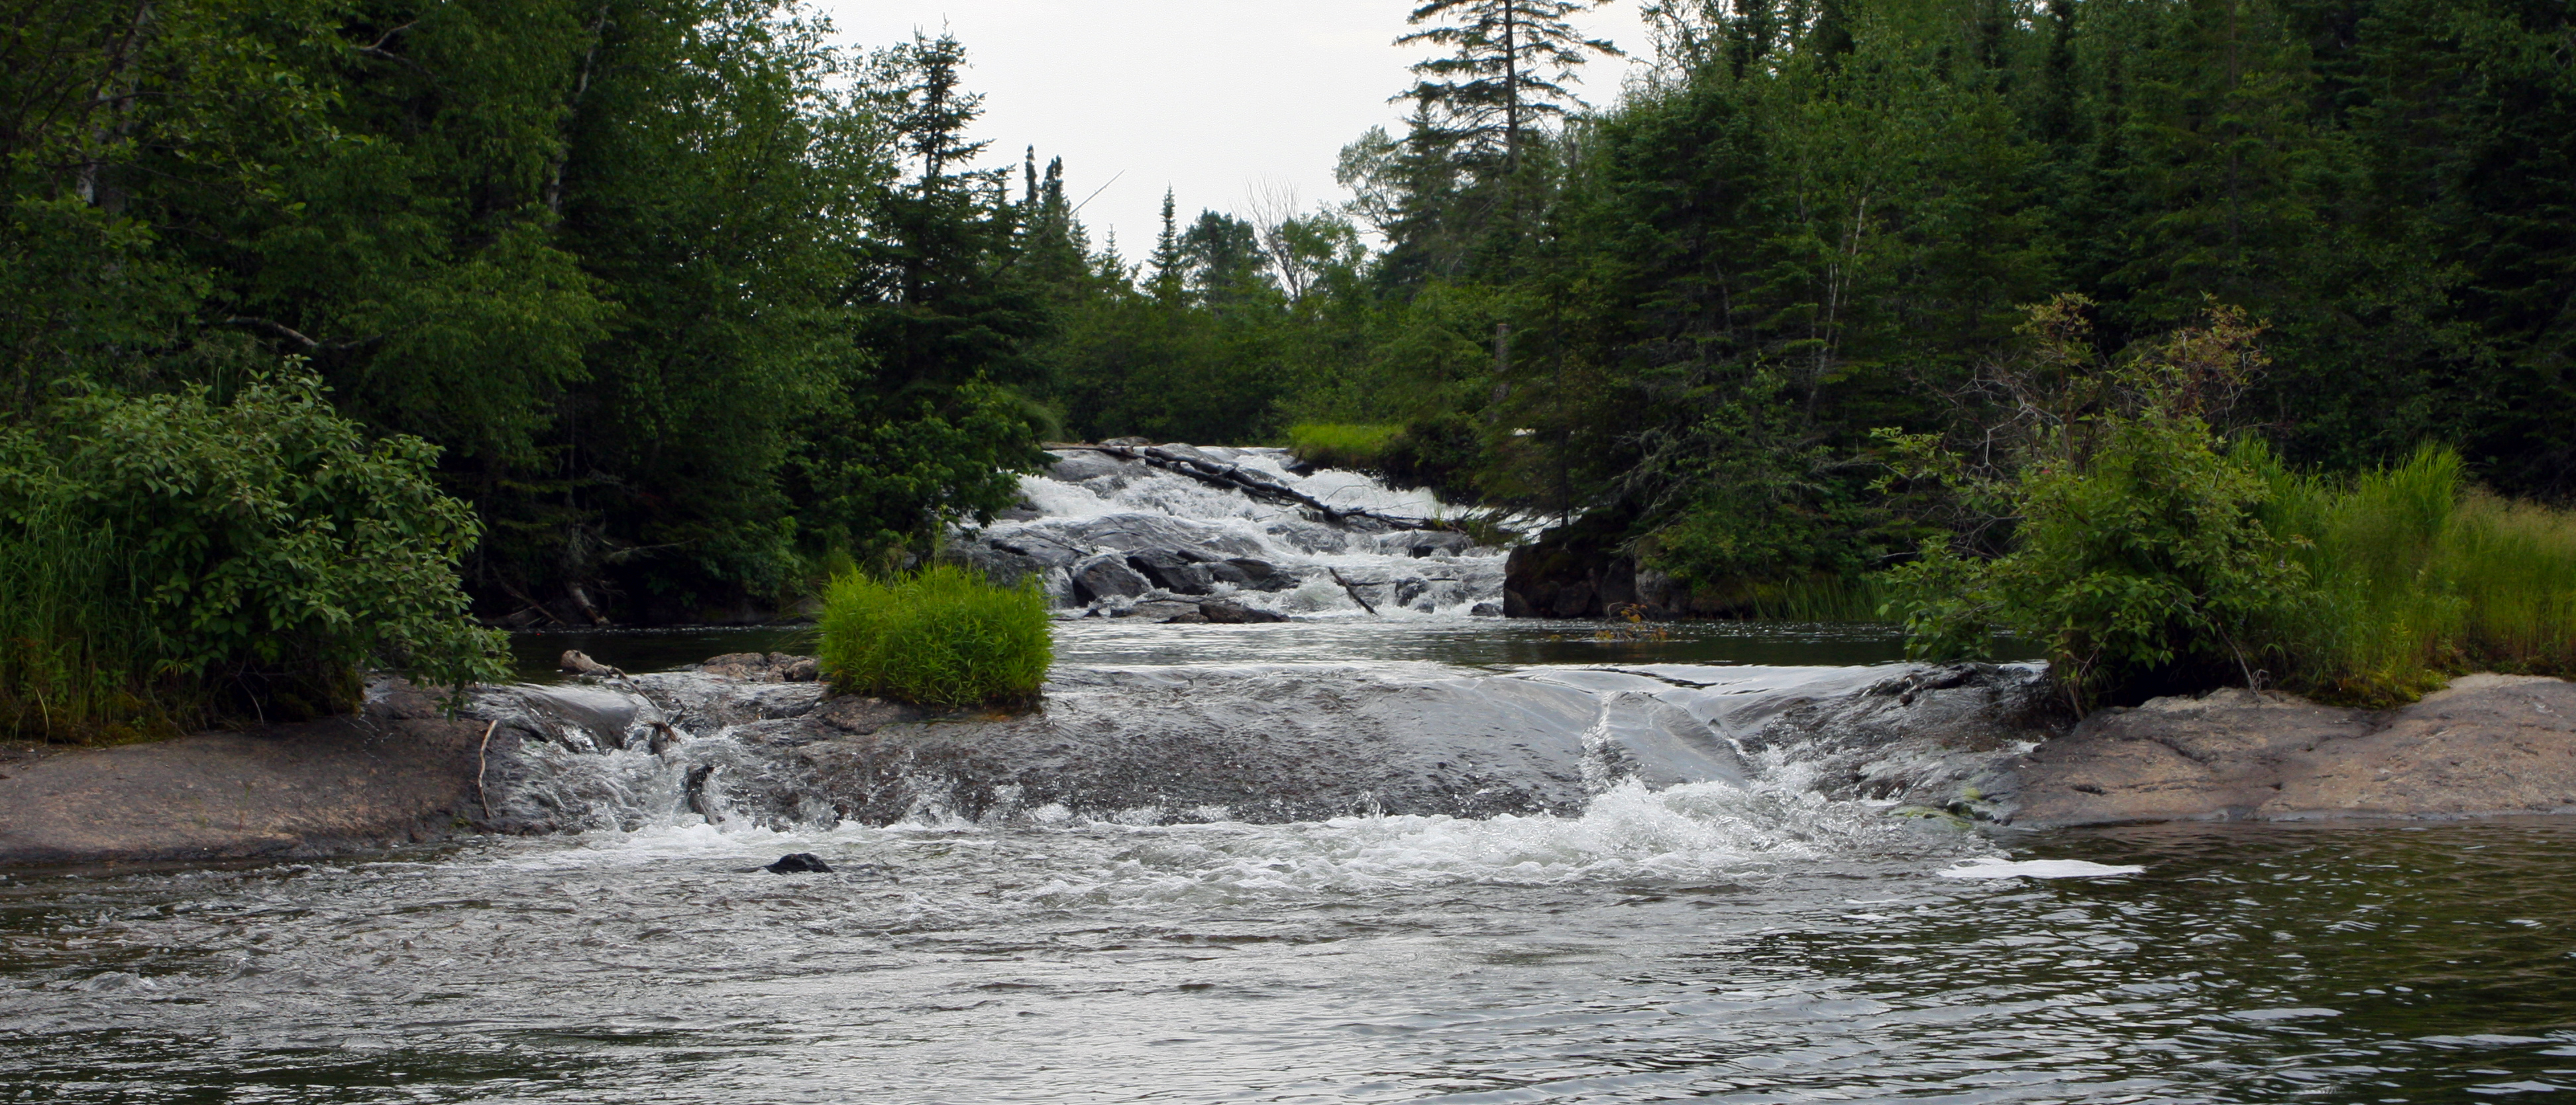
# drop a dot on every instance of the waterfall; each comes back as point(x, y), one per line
point(1178, 532)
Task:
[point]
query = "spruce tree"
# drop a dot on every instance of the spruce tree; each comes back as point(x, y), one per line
point(1507, 71)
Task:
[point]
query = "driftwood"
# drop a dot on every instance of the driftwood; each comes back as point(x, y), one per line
point(1236, 477)
point(1354, 592)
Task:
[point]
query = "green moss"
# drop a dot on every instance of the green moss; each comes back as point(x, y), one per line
point(939, 637)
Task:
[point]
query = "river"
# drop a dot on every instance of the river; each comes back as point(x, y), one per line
point(1720, 940)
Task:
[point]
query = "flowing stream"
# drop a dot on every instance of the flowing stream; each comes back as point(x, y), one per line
point(1739, 935)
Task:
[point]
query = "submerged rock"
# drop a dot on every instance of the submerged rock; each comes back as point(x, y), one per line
point(799, 863)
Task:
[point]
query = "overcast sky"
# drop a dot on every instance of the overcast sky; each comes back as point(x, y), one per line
point(1209, 97)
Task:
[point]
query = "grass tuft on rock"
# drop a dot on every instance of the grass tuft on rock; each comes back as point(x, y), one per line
point(942, 636)
point(1350, 447)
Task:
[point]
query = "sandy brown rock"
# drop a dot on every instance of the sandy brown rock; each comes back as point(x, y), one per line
point(2488, 744)
point(396, 772)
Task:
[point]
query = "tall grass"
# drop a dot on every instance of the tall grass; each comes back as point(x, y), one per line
point(1343, 445)
point(2415, 576)
point(942, 636)
point(74, 646)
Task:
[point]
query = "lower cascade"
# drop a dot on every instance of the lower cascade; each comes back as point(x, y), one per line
point(1259, 743)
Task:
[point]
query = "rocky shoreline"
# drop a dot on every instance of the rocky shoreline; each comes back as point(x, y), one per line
point(753, 738)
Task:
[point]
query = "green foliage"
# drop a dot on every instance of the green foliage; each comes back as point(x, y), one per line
point(2417, 577)
point(942, 636)
point(2149, 557)
point(1356, 448)
point(2140, 560)
point(169, 554)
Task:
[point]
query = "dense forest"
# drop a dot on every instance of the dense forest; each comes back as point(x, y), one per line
point(1688, 316)
point(688, 304)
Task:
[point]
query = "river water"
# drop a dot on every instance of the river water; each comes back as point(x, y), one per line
point(1716, 941)
point(1660, 947)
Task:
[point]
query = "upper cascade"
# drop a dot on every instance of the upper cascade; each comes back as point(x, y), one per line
point(1190, 533)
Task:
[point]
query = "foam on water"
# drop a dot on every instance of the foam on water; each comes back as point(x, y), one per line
point(2000, 868)
point(1445, 583)
point(1692, 833)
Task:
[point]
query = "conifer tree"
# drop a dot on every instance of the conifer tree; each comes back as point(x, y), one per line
point(1506, 73)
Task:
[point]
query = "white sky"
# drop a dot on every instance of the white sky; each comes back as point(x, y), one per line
point(1210, 97)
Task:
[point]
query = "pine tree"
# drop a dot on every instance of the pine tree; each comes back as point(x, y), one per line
point(1506, 74)
point(1170, 266)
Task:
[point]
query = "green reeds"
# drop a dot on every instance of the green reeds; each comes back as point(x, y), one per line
point(74, 649)
point(942, 636)
point(1822, 598)
point(2414, 577)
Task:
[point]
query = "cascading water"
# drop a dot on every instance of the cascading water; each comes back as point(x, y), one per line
point(1149, 531)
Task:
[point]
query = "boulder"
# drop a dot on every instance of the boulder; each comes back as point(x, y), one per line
point(1486, 610)
point(1229, 613)
point(799, 863)
point(1175, 570)
point(575, 662)
point(1077, 465)
point(1105, 577)
point(1257, 575)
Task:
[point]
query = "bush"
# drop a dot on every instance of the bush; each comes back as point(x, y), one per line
point(2138, 558)
point(1356, 448)
point(2152, 557)
point(2144, 570)
point(165, 558)
point(940, 637)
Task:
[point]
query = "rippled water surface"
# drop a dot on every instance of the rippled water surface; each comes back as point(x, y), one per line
point(1702, 943)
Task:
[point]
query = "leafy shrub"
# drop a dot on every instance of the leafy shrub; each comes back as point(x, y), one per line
point(2139, 560)
point(940, 637)
point(169, 556)
point(1356, 448)
point(2151, 556)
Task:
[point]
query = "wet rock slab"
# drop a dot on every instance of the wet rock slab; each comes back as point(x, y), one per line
point(396, 772)
point(2489, 744)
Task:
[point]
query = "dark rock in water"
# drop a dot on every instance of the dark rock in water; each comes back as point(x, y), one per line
point(799, 863)
point(1161, 610)
point(1174, 570)
point(1422, 543)
point(1256, 575)
point(1105, 577)
point(1228, 613)
point(1407, 590)
point(1486, 610)
point(1190, 617)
